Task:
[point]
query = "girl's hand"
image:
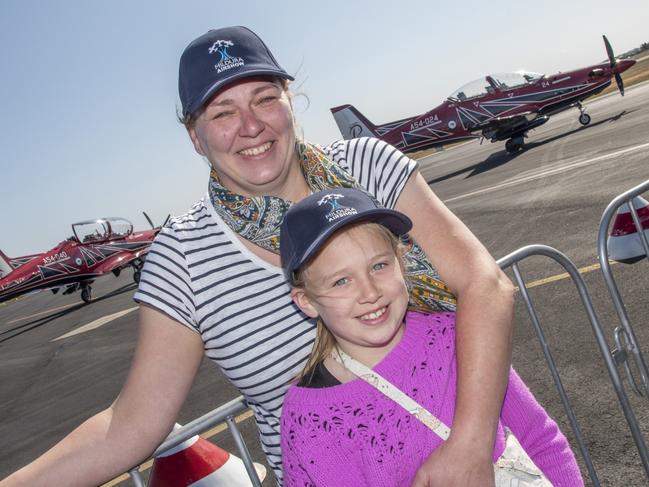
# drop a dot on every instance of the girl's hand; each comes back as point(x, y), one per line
point(454, 466)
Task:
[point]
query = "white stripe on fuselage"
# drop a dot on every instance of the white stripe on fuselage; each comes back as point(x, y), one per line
point(560, 80)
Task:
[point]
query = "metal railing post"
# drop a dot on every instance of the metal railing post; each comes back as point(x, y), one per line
point(136, 476)
point(624, 335)
point(631, 345)
point(243, 449)
point(597, 331)
point(224, 413)
point(567, 407)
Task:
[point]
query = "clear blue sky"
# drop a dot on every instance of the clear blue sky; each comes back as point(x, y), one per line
point(89, 88)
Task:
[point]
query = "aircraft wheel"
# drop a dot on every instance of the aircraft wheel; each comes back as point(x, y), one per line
point(136, 277)
point(86, 294)
point(511, 146)
point(584, 119)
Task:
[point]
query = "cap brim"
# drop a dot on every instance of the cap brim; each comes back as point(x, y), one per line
point(396, 222)
point(198, 104)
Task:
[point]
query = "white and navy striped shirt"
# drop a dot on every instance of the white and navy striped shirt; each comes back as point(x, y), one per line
point(199, 273)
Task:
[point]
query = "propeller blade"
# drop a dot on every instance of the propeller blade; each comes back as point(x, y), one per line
point(148, 219)
point(609, 51)
point(620, 83)
point(167, 219)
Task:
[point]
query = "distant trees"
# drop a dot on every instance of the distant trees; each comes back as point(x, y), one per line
point(634, 52)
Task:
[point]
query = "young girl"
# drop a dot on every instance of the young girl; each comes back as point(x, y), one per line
point(341, 254)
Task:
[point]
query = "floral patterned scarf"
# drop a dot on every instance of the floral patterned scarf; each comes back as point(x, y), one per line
point(258, 220)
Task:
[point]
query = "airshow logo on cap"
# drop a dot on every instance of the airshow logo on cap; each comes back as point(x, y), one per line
point(337, 210)
point(226, 60)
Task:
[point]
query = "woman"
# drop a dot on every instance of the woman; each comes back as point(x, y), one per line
point(216, 271)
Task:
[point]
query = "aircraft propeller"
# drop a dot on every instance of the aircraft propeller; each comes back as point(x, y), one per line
point(151, 222)
point(148, 219)
point(613, 60)
point(620, 84)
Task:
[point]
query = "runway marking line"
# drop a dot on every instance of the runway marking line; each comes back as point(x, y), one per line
point(564, 275)
point(95, 324)
point(548, 172)
point(43, 312)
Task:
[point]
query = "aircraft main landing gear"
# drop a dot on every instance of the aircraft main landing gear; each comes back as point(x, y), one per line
point(514, 144)
point(584, 118)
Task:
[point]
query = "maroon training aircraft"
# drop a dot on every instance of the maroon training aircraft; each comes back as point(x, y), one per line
point(96, 248)
point(496, 107)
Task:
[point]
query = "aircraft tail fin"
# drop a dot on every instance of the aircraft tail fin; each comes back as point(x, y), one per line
point(5, 267)
point(352, 123)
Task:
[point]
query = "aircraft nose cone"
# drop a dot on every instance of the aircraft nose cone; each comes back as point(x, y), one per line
point(624, 64)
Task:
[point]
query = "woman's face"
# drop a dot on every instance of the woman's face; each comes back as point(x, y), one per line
point(246, 132)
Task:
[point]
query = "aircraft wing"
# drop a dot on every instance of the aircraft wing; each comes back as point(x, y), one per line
point(502, 128)
point(499, 123)
point(119, 260)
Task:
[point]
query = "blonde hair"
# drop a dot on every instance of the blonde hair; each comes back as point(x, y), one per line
point(325, 341)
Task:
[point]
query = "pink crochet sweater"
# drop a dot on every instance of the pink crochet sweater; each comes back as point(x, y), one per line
point(352, 435)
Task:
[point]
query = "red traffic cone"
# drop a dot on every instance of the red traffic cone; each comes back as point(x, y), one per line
point(624, 244)
point(199, 463)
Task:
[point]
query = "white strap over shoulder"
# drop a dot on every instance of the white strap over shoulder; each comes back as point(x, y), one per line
point(391, 391)
point(514, 468)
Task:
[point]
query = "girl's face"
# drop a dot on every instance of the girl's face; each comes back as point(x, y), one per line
point(355, 284)
point(246, 132)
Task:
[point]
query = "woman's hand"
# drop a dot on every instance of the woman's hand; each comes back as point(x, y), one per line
point(451, 465)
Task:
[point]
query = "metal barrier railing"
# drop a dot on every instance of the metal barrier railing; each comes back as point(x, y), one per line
point(229, 410)
point(627, 347)
point(625, 339)
point(225, 413)
point(512, 260)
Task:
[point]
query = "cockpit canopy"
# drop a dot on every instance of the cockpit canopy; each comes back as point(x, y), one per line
point(102, 229)
point(493, 83)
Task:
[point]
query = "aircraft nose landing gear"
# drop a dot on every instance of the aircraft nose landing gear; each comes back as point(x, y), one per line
point(86, 292)
point(584, 118)
point(137, 270)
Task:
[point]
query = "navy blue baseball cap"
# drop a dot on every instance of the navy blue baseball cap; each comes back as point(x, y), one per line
point(219, 57)
point(311, 222)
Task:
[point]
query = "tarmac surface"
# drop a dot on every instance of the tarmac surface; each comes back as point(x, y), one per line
point(552, 193)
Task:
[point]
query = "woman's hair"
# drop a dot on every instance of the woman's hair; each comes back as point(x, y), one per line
point(190, 119)
point(324, 340)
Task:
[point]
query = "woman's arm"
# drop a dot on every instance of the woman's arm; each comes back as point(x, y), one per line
point(484, 330)
point(111, 442)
